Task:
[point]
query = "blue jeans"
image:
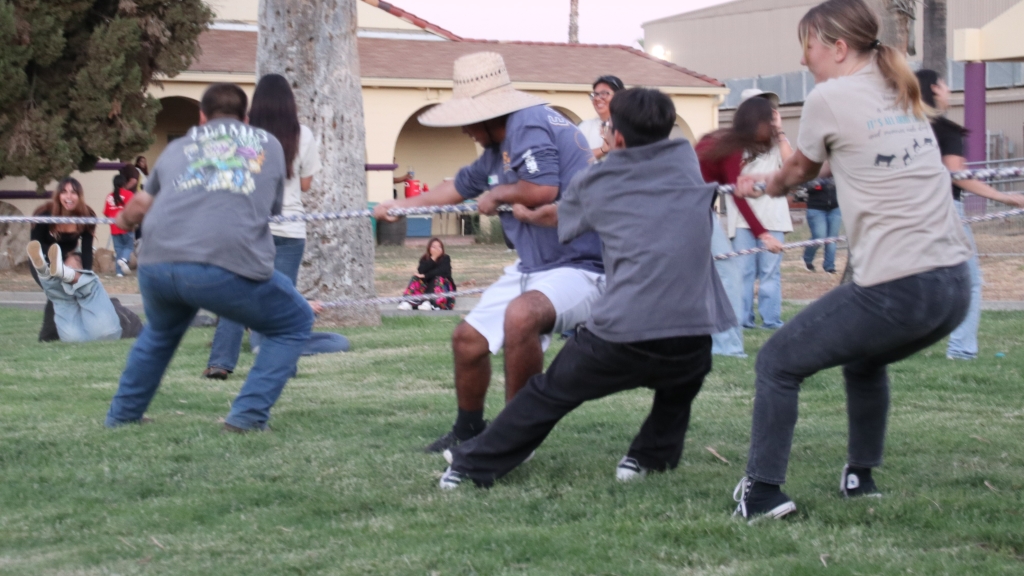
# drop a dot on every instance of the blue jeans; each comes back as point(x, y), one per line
point(729, 342)
point(823, 224)
point(766, 268)
point(172, 293)
point(227, 339)
point(82, 311)
point(863, 330)
point(963, 342)
point(124, 244)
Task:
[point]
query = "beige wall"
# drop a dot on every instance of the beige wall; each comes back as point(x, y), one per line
point(762, 42)
point(235, 10)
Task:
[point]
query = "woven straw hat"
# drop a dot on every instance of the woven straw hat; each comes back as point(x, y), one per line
point(483, 90)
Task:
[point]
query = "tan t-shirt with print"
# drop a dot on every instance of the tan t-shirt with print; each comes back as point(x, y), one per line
point(892, 186)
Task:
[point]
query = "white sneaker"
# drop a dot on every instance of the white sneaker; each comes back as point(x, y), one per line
point(448, 456)
point(122, 267)
point(405, 306)
point(450, 480)
point(629, 469)
point(425, 306)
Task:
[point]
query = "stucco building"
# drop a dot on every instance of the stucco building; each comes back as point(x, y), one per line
point(406, 67)
point(749, 43)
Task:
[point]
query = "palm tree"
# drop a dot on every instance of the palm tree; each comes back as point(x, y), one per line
point(313, 43)
point(574, 21)
point(935, 57)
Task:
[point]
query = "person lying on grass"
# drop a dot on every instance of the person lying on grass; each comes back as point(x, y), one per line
point(653, 325)
point(81, 308)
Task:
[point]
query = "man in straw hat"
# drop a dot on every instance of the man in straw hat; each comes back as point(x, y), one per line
point(530, 154)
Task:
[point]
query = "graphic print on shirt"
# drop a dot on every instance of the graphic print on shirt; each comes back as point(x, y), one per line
point(915, 133)
point(223, 158)
point(530, 162)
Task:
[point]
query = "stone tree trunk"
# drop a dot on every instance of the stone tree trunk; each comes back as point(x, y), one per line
point(897, 23)
point(935, 57)
point(574, 21)
point(313, 44)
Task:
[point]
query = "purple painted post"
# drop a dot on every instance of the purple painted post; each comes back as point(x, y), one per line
point(974, 121)
point(974, 111)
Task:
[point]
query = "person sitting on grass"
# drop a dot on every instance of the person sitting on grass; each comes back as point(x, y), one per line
point(653, 325)
point(82, 310)
point(433, 276)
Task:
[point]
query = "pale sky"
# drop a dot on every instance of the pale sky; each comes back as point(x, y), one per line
point(601, 21)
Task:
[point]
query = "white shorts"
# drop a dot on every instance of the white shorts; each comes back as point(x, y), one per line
point(570, 290)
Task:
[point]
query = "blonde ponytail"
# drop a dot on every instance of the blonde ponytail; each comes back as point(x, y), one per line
point(857, 24)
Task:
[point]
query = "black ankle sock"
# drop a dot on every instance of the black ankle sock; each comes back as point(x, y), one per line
point(864, 474)
point(763, 489)
point(469, 423)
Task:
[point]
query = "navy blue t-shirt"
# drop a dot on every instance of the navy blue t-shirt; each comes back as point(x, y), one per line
point(543, 148)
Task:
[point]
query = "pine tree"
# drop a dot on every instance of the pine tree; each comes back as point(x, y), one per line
point(74, 74)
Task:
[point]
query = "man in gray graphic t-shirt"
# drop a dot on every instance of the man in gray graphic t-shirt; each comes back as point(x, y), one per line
point(208, 245)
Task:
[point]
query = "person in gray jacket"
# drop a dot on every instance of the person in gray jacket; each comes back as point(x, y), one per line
point(653, 325)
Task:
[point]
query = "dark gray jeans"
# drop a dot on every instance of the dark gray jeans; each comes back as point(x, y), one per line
point(589, 368)
point(863, 330)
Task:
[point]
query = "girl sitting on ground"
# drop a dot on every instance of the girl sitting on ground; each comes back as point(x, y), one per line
point(68, 200)
point(433, 276)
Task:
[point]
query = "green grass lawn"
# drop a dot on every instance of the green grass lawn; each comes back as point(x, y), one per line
point(340, 485)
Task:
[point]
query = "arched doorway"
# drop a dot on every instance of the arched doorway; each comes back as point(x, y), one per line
point(434, 154)
point(682, 130)
point(177, 115)
point(569, 114)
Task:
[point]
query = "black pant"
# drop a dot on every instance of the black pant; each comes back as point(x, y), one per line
point(589, 368)
point(863, 330)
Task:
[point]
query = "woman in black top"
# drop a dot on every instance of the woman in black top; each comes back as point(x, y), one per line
point(433, 276)
point(68, 200)
point(963, 342)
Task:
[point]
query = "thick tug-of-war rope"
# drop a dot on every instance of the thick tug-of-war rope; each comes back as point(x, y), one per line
point(985, 175)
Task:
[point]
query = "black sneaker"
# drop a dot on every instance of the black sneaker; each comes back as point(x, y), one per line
point(772, 505)
point(809, 267)
point(451, 479)
point(852, 485)
point(449, 440)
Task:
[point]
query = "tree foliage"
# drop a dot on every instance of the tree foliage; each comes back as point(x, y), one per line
point(74, 74)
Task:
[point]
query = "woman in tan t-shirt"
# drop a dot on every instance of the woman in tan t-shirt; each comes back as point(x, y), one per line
point(911, 285)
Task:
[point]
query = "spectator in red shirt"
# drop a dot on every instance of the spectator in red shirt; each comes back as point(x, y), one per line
point(721, 160)
point(124, 242)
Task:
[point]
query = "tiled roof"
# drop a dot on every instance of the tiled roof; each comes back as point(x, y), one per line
point(235, 51)
point(412, 18)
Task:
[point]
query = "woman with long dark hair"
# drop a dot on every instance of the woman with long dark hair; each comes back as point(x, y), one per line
point(433, 276)
point(911, 283)
point(273, 109)
point(722, 155)
point(963, 342)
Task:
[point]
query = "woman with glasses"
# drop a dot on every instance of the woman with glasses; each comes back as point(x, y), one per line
point(604, 88)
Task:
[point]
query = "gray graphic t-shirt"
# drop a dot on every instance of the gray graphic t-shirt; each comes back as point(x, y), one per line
point(214, 190)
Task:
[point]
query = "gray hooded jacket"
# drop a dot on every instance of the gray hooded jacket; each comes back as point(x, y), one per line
point(652, 210)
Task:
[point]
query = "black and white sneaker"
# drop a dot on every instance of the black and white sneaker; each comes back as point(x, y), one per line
point(449, 440)
point(449, 457)
point(852, 484)
point(773, 504)
point(809, 267)
point(451, 479)
point(629, 469)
